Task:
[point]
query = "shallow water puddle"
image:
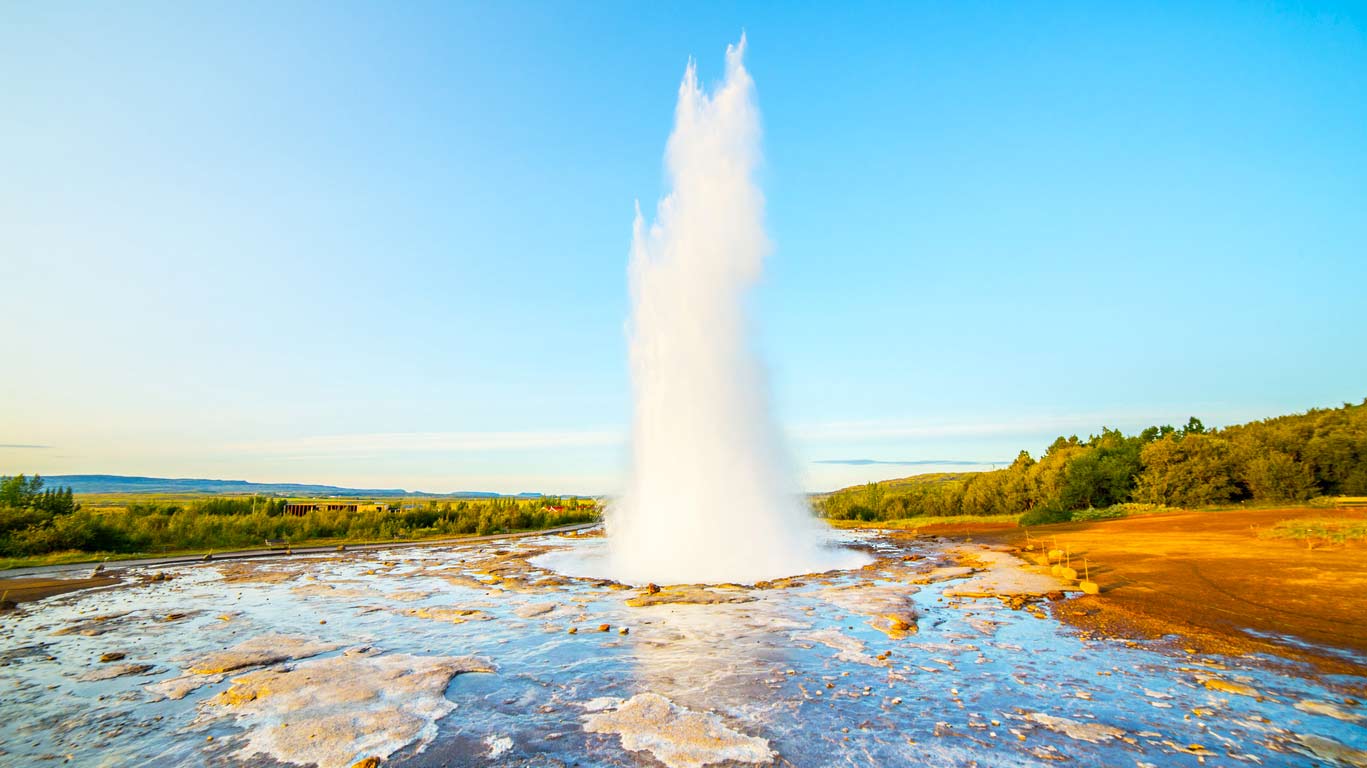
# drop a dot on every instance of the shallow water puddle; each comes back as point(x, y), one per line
point(473, 656)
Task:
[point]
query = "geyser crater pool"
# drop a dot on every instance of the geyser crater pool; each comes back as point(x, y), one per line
point(595, 558)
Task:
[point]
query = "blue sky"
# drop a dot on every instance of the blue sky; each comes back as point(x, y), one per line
point(385, 245)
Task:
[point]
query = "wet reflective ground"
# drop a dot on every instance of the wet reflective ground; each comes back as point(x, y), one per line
point(806, 672)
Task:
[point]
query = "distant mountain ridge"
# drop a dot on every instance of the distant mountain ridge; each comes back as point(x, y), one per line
point(126, 484)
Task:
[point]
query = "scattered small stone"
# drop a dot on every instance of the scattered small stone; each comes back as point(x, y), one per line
point(112, 656)
point(604, 627)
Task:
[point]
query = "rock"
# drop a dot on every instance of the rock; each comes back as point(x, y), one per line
point(889, 608)
point(498, 745)
point(677, 737)
point(689, 594)
point(533, 609)
point(338, 710)
point(94, 626)
point(112, 656)
point(369, 762)
point(447, 613)
point(1331, 710)
point(259, 651)
point(1076, 729)
point(946, 573)
point(847, 648)
point(895, 625)
point(407, 596)
point(177, 688)
point(1326, 748)
point(573, 630)
point(113, 671)
point(1007, 576)
point(269, 572)
point(652, 589)
point(604, 627)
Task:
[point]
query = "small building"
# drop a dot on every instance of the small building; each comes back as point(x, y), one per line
point(301, 508)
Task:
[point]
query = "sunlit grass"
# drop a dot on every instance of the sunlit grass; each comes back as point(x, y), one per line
point(73, 556)
point(912, 523)
point(1319, 530)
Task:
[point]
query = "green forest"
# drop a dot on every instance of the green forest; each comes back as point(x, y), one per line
point(1287, 459)
point(35, 520)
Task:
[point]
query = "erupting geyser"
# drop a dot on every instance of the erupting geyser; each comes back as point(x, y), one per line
point(711, 496)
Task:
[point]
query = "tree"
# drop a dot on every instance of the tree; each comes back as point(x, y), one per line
point(1191, 471)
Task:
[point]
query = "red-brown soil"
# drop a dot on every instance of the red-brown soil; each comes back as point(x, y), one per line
point(1210, 578)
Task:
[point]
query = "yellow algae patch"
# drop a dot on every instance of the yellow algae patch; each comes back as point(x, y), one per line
point(689, 594)
point(334, 712)
point(258, 651)
point(677, 737)
point(1228, 686)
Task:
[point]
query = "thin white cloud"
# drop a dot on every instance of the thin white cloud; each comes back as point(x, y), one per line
point(864, 430)
point(428, 442)
point(383, 443)
point(1080, 423)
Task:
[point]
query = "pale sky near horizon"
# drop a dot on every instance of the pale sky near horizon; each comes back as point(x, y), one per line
point(384, 245)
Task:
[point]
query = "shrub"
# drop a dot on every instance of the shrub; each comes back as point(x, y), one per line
point(1045, 515)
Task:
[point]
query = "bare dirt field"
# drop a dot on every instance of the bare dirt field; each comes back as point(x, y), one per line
point(1216, 580)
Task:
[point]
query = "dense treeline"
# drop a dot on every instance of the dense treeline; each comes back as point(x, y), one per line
point(1286, 459)
point(35, 522)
